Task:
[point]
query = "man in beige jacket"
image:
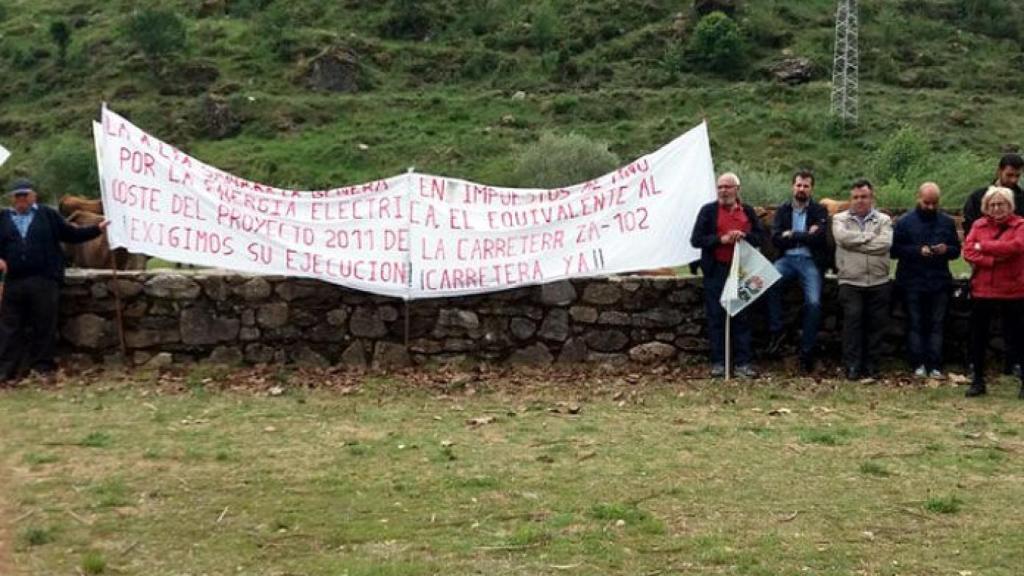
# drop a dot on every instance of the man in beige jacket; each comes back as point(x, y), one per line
point(863, 237)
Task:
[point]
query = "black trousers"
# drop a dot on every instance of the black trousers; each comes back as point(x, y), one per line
point(982, 309)
point(714, 283)
point(28, 325)
point(865, 320)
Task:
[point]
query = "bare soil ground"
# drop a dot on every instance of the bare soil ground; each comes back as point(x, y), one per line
point(6, 530)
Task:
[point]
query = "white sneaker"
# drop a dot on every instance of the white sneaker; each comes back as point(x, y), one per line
point(745, 371)
point(936, 374)
point(920, 372)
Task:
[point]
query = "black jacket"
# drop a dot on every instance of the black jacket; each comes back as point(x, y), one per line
point(972, 208)
point(39, 253)
point(919, 273)
point(817, 215)
point(705, 233)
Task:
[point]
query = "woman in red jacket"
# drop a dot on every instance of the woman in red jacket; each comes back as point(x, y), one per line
point(995, 249)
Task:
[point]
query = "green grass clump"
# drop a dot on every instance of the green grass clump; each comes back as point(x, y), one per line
point(94, 563)
point(825, 436)
point(872, 468)
point(97, 439)
point(528, 537)
point(40, 458)
point(35, 536)
point(110, 493)
point(943, 504)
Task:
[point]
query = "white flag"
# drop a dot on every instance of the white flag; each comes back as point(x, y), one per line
point(4, 155)
point(750, 277)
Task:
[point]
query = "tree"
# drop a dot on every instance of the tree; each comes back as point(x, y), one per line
point(160, 34)
point(717, 44)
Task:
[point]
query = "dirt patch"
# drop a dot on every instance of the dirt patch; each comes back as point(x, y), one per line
point(6, 529)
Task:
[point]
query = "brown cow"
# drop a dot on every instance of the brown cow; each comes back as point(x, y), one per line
point(95, 253)
point(69, 204)
point(834, 206)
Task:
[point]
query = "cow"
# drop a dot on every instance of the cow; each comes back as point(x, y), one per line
point(95, 253)
point(69, 204)
point(834, 206)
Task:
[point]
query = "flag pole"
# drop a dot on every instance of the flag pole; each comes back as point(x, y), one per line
point(728, 346)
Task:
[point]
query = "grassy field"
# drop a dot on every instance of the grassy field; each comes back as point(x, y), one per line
point(510, 474)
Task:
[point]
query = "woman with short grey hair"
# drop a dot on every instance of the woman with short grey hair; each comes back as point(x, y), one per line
point(995, 250)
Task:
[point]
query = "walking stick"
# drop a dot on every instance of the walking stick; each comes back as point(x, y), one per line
point(118, 308)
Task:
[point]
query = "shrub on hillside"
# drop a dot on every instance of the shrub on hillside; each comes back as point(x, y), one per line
point(60, 33)
point(565, 104)
point(705, 7)
point(247, 8)
point(766, 29)
point(957, 174)
point(995, 18)
point(479, 64)
point(760, 187)
point(21, 57)
point(555, 161)
point(717, 45)
point(408, 20)
point(277, 30)
point(69, 168)
point(906, 159)
point(481, 17)
point(159, 33)
point(545, 26)
point(899, 155)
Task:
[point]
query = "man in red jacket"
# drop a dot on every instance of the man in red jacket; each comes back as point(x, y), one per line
point(720, 225)
point(995, 250)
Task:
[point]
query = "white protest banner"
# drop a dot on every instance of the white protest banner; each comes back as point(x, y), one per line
point(751, 276)
point(4, 155)
point(165, 203)
point(484, 238)
point(414, 235)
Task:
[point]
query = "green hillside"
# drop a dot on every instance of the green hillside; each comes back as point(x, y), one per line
point(301, 93)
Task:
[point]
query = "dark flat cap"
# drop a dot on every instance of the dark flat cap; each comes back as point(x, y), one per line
point(21, 186)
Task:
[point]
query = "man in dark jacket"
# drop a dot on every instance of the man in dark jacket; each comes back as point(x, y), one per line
point(1008, 176)
point(924, 242)
point(798, 231)
point(32, 263)
point(719, 226)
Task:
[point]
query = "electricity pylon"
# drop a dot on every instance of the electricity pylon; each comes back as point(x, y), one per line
point(846, 63)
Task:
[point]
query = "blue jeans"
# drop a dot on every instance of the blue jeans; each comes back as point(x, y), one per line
point(803, 269)
point(714, 283)
point(926, 316)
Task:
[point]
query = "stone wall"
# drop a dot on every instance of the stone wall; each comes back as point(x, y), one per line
point(176, 316)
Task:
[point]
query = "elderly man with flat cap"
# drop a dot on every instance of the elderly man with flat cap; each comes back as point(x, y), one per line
point(32, 264)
